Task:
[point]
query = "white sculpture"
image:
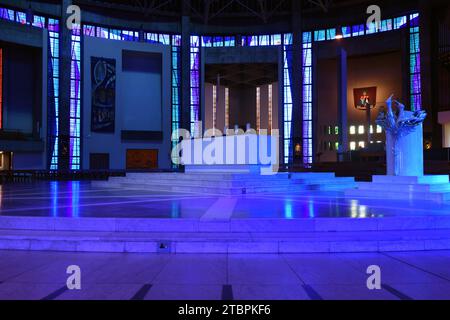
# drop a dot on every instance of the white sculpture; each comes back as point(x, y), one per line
point(404, 139)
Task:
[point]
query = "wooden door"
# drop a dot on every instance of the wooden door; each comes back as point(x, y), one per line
point(142, 159)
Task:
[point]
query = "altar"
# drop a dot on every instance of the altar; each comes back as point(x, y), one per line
point(239, 153)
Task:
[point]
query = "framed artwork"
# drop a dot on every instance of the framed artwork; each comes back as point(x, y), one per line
point(365, 98)
point(103, 108)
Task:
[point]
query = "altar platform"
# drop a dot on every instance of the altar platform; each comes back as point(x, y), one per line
point(434, 188)
point(87, 217)
point(229, 180)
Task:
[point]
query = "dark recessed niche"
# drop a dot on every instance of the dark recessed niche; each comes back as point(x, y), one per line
point(142, 135)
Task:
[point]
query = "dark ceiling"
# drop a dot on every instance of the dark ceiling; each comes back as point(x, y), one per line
point(213, 11)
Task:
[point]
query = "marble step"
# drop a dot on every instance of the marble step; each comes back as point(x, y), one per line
point(324, 181)
point(388, 193)
point(312, 175)
point(234, 187)
point(395, 187)
point(207, 184)
point(432, 179)
point(197, 182)
point(204, 189)
point(306, 179)
point(232, 176)
point(345, 182)
point(238, 242)
point(339, 186)
point(250, 225)
point(205, 176)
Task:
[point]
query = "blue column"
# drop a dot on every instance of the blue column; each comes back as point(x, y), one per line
point(342, 103)
point(64, 90)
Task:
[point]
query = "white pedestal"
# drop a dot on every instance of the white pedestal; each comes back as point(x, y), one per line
point(405, 157)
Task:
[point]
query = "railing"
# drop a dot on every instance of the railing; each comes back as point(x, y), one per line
point(50, 175)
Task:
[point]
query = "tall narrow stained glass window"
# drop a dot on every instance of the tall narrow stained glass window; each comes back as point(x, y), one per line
point(195, 85)
point(287, 97)
point(414, 51)
point(227, 108)
point(258, 109)
point(176, 86)
point(53, 93)
point(214, 101)
point(75, 99)
point(270, 111)
point(307, 98)
point(1, 88)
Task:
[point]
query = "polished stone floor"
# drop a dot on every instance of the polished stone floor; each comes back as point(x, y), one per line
point(81, 199)
point(42, 275)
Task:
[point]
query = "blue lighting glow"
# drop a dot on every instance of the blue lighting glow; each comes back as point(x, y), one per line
point(54, 196)
point(285, 40)
point(311, 210)
point(288, 209)
point(75, 197)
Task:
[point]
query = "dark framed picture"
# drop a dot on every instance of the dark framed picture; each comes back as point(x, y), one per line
point(103, 78)
point(365, 98)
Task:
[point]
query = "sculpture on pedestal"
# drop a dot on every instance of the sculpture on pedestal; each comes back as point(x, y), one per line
point(404, 147)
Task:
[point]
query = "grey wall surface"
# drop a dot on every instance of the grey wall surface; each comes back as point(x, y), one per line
point(141, 72)
point(151, 115)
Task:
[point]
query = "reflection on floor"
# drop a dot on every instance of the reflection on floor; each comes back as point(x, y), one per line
point(42, 275)
point(80, 199)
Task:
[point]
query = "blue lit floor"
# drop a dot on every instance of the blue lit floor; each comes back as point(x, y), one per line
point(39, 275)
point(80, 199)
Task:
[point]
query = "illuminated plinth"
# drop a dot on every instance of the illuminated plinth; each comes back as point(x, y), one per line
point(404, 153)
point(405, 178)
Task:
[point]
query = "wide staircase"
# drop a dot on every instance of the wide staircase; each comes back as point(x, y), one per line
point(425, 188)
point(229, 183)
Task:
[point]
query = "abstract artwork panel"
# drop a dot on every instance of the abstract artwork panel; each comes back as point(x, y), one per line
point(103, 79)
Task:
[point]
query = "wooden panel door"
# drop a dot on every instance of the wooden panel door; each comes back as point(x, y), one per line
point(142, 159)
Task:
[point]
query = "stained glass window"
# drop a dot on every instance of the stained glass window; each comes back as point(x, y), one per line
point(53, 134)
point(287, 96)
point(227, 108)
point(214, 101)
point(176, 85)
point(414, 50)
point(258, 109)
point(1, 88)
point(195, 85)
point(75, 99)
point(307, 98)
